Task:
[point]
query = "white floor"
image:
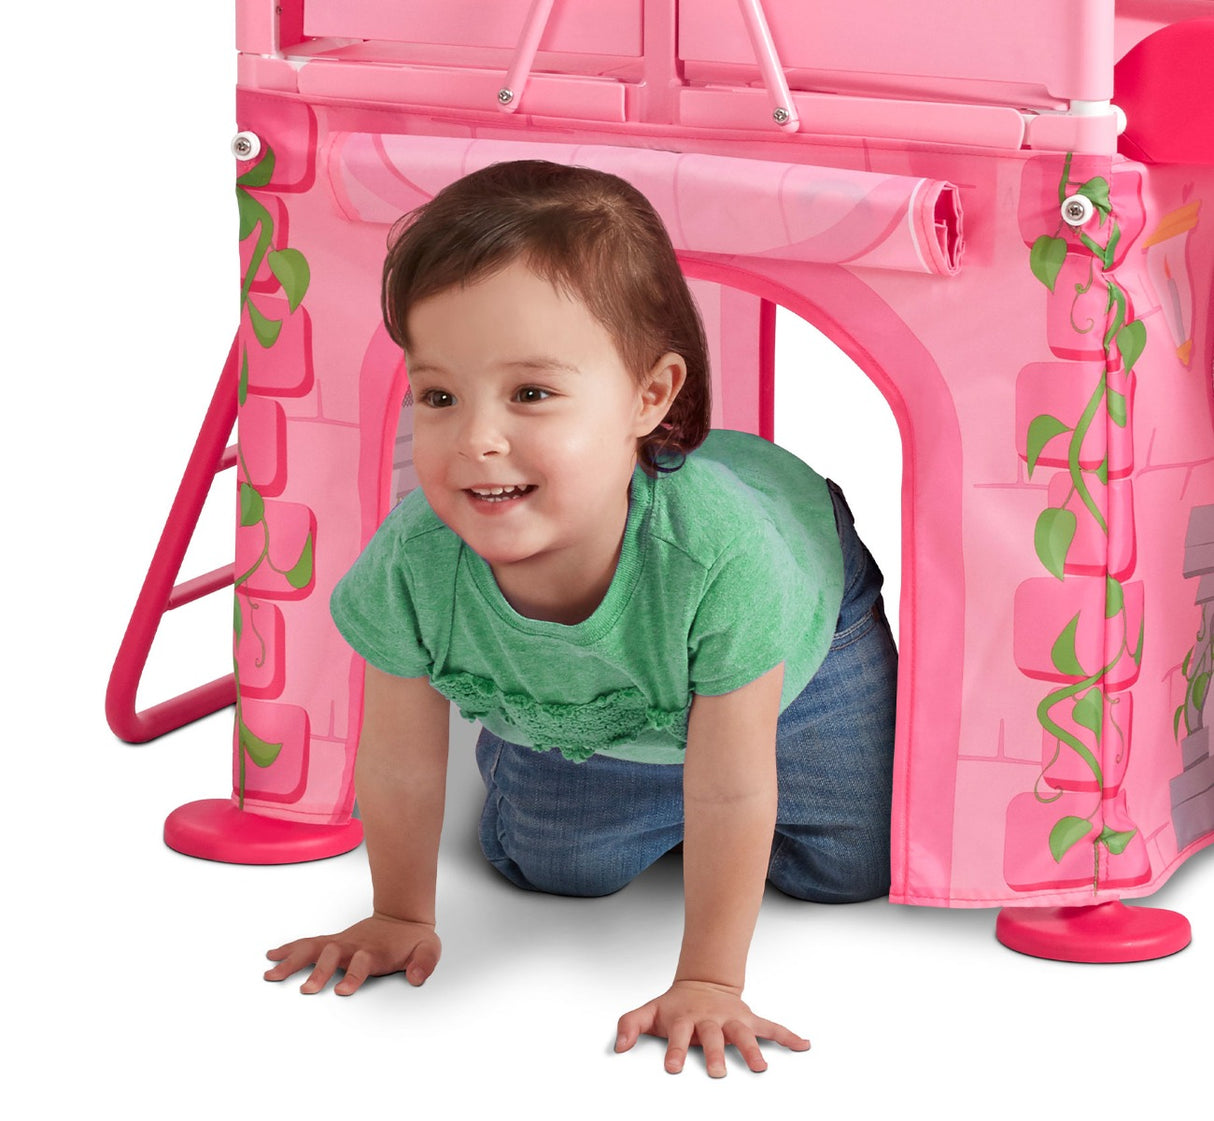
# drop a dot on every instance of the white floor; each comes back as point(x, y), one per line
point(133, 973)
point(134, 978)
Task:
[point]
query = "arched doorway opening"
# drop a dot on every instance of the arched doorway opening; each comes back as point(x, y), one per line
point(829, 413)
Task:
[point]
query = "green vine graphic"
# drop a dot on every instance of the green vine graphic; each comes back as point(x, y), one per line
point(1197, 667)
point(1091, 709)
point(290, 268)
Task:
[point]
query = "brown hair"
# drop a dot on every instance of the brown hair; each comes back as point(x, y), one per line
point(586, 232)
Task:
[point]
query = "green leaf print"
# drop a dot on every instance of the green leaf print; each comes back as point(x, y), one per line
point(300, 574)
point(1046, 259)
point(265, 329)
point(1041, 431)
point(1063, 655)
point(1053, 536)
point(1201, 686)
point(1089, 712)
point(242, 387)
point(1066, 834)
point(290, 267)
point(252, 505)
point(260, 174)
point(251, 213)
point(1116, 840)
point(1097, 190)
point(260, 751)
point(1131, 342)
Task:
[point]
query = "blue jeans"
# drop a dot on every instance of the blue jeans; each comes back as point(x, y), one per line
point(589, 828)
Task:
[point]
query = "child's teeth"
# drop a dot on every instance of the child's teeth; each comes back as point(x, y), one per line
point(496, 492)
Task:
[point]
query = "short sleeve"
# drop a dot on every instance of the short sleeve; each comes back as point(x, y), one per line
point(753, 607)
point(373, 608)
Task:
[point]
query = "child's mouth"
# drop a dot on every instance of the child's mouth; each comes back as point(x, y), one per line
point(501, 494)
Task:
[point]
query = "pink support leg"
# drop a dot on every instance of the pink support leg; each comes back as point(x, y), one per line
point(215, 829)
point(1103, 933)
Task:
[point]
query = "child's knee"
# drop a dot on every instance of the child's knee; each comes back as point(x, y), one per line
point(576, 881)
point(816, 891)
point(825, 874)
point(560, 872)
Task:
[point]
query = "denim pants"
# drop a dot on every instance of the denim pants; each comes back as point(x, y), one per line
point(589, 828)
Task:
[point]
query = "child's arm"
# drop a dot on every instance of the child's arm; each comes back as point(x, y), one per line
point(400, 776)
point(729, 784)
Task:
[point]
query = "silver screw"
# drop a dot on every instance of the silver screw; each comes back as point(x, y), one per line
point(505, 96)
point(245, 145)
point(1077, 210)
point(780, 116)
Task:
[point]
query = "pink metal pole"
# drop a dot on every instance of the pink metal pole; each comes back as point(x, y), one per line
point(783, 111)
point(524, 57)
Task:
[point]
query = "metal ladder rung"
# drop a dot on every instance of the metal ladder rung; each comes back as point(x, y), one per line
point(190, 590)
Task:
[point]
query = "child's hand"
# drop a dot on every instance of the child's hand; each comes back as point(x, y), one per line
point(370, 948)
point(691, 1012)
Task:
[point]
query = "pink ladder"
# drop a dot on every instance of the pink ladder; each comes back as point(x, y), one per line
point(213, 828)
point(160, 592)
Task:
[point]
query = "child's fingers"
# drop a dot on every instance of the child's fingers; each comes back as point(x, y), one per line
point(712, 1041)
point(421, 963)
point(738, 1034)
point(631, 1026)
point(358, 969)
point(279, 973)
point(291, 958)
point(326, 965)
point(777, 1033)
point(678, 1042)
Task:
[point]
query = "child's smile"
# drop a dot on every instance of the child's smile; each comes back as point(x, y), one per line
point(525, 435)
point(500, 494)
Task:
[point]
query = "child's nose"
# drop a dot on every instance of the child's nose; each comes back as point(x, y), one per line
point(482, 434)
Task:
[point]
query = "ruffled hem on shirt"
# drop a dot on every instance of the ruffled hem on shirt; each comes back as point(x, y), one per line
point(577, 731)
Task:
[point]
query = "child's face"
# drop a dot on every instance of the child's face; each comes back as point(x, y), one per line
point(526, 422)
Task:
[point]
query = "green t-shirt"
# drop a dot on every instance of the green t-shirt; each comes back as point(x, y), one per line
point(729, 566)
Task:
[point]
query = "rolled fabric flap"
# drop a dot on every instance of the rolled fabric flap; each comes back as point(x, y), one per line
point(710, 204)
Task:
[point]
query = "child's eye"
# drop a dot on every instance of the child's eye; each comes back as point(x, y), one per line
point(437, 399)
point(529, 394)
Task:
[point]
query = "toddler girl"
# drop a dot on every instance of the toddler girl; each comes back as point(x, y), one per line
point(670, 636)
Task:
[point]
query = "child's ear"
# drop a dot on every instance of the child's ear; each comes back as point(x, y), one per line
point(660, 388)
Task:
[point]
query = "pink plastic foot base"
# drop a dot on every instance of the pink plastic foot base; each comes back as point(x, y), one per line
point(1105, 932)
point(214, 829)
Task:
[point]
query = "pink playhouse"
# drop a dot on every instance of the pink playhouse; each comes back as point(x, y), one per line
point(1003, 213)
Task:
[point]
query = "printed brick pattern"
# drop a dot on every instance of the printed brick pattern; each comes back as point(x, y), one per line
point(1192, 790)
point(1065, 633)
